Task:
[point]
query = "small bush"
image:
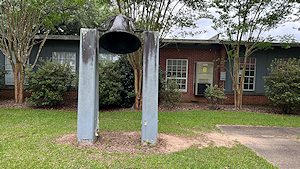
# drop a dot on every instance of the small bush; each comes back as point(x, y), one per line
point(49, 84)
point(168, 91)
point(213, 94)
point(110, 85)
point(283, 85)
point(127, 80)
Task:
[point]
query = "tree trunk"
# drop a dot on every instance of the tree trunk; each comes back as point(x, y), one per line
point(16, 78)
point(135, 60)
point(138, 88)
point(240, 96)
point(21, 88)
point(19, 83)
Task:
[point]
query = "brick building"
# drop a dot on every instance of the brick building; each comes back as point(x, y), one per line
point(191, 63)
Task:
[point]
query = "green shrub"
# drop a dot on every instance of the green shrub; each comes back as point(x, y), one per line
point(110, 85)
point(283, 85)
point(168, 91)
point(49, 84)
point(213, 94)
point(127, 94)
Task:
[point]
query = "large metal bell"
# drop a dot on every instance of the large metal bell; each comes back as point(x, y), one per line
point(119, 39)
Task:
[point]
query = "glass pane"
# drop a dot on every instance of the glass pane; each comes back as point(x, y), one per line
point(169, 74)
point(246, 79)
point(246, 73)
point(245, 86)
point(178, 74)
point(174, 74)
point(182, 86)
point(169, 68)
point(10, 77)
point(251, 80)
point(251, 73)
point(179, 68)
point(174, 62)
point(174, 68)
point(169, 62)
point(251, 86)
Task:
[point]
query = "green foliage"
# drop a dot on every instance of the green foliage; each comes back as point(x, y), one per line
point(49, 84)
point(283, 85)
point(127, 94)
point(116, 83)
point(168, 90)
point(213, 94)
point(66, 17)
point(242, 23)
point(110, 85)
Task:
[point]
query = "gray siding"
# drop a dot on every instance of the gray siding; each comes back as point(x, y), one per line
point(263, 61)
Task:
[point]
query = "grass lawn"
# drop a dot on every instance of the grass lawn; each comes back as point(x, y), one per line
point(26, 140)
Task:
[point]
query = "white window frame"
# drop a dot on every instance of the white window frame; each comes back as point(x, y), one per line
point(179, 72)
point(249, 76)
point(108, 57)
point(10, 71)
point(64, 60)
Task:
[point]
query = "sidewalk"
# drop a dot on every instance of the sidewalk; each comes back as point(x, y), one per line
point(279, 145)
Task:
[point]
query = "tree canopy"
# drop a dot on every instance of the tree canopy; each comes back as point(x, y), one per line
point(66, 17)
point(242, 23)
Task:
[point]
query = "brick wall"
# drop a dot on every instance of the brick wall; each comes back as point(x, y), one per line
point(204, 55)
point(193, 55)
point(248, 100)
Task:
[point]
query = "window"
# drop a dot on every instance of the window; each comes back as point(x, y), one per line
point(249, 82)
point(65, 57)
point(177, 70)
point(9, 77)
point(108, 56)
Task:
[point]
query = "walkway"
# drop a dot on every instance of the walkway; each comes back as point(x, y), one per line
point(279, 145)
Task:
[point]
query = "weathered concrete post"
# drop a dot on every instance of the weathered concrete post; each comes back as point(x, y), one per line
point(150, 87)
point(88, 89)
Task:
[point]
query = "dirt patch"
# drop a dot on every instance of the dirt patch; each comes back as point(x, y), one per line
point(130, 142)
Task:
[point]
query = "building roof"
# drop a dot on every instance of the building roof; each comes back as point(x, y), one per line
point(212, 40)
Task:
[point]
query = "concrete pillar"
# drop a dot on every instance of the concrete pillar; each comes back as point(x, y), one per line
point(150, 87)
point(88, 89)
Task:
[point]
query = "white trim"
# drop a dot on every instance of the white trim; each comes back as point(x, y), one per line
point(7, 63)
point(181, 73)
point(64, 59)
point(254, 76)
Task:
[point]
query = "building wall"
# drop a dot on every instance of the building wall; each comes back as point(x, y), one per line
point(200, 54)
point(193, 53)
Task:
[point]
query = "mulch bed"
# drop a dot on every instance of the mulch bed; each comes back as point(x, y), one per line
point(71, 105)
